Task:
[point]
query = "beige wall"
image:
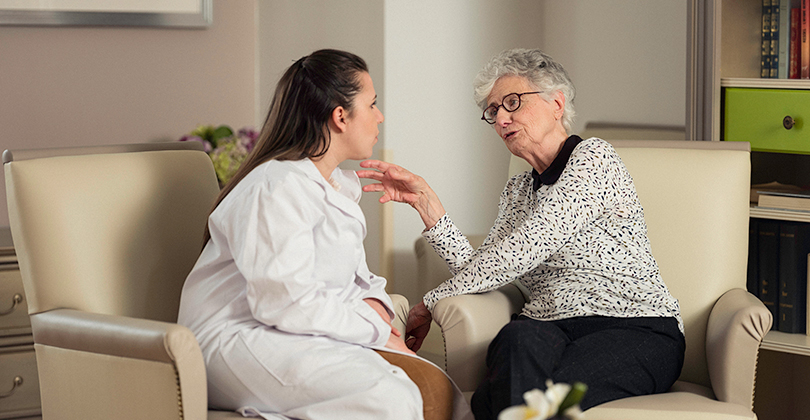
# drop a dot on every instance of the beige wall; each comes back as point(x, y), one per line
point(71, 86)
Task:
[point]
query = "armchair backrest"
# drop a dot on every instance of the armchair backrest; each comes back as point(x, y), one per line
point(111, 229)
point(696, 205)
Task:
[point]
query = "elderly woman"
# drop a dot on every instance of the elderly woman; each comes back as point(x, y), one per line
point(572, 231)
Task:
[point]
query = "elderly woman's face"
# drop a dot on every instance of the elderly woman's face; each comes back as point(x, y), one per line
point(534, 124)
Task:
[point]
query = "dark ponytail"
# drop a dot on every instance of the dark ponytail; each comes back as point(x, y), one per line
point(297, 123)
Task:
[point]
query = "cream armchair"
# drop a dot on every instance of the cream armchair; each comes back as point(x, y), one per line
point(695, 197)
point(105, 237)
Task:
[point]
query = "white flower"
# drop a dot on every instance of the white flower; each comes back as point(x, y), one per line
point(542, 405)
point(555, 394)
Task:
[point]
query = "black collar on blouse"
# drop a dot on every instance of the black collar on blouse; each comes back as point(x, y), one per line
point(553, 172)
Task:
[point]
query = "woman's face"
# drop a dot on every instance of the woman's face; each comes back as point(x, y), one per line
point(363, 120)
point(534, 126)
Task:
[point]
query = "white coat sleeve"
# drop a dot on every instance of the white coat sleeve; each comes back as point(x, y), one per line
point(373, 286)
point(271, 238)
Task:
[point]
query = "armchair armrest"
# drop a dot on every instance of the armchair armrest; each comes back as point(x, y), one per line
point(400, 312)
point(737, 324)
point(106, 364)
point(468, 324)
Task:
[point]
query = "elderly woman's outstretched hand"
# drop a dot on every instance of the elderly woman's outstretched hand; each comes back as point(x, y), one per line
point(400, 185)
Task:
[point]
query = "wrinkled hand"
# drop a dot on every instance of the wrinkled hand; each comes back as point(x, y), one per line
point(400, 185)
point(418, 326)
point(396, 183)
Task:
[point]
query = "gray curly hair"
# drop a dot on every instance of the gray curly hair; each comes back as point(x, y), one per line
point(535, 66)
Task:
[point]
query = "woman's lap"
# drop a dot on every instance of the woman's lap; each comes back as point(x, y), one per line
point(337, 379)
point(615, 357)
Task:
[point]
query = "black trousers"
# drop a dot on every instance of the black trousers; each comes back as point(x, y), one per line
point(614, 357)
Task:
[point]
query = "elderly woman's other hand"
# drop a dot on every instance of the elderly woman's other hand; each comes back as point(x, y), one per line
point(400, 185)
point(418, 326)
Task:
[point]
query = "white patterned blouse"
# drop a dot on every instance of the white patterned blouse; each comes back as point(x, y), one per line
point(574, 235)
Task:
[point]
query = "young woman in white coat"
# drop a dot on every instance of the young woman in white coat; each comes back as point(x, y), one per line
point(281, 301)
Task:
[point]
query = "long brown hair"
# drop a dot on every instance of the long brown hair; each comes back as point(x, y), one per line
point(296, 125)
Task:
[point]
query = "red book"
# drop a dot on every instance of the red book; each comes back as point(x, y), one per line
point(805, 54)
point(795, 45)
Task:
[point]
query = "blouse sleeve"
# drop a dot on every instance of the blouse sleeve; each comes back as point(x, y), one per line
point(513, 249)
point(272, 243)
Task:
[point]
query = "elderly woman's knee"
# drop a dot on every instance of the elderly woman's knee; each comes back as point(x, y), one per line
point(522, 333)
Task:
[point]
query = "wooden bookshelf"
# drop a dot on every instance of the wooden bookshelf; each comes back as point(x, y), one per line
point(731, 44)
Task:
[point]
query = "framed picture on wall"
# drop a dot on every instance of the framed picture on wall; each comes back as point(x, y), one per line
point(169, 13)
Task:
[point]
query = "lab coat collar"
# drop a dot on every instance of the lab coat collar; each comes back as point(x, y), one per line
point(347, 199)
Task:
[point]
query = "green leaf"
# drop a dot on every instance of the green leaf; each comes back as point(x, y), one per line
point(574, 396)
point(203, 131)
point(221, 132)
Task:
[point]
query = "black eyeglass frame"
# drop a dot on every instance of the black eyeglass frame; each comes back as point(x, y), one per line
point(484, 114)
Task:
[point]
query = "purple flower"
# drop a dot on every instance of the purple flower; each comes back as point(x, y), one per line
point(226, 149)
point(206, 145)
point(248, 137)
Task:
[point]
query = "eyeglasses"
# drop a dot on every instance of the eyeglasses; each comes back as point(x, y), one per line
point(511, 103)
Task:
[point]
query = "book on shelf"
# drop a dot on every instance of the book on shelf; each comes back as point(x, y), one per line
point(753, 232)
point(775, 35)
point(804, 55)
point(772, 187)
point(799, 200)
point(785, 46)
point(784, 38)
point(765, 51)
point(795, 45)
point(794, 247)
point(779, 270)
point(807, 296)
point(768, 267)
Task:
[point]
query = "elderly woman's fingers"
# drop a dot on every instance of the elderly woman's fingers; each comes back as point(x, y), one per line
point(376, 164)
point(373, 188)
point(369, 163)
point(375, 175)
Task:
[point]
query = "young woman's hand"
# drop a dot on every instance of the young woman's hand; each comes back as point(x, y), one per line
point(380, 308)
point(395, 343)
point(400, 185)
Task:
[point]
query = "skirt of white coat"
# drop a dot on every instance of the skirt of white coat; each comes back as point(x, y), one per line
point(312, 378)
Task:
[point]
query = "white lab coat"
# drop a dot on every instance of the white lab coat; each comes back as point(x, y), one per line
point(276, 302)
